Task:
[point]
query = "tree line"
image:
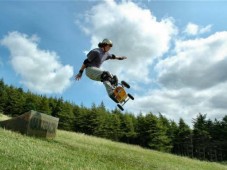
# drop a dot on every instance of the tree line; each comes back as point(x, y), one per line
point(207, 140)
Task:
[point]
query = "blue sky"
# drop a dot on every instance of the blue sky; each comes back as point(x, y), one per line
point(177, 56)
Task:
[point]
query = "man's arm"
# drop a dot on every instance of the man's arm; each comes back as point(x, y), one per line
point(79, 75)
point(90, 56)
point(118, 58)
point(121, 58)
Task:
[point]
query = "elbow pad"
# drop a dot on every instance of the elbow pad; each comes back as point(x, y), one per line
point(86, 62)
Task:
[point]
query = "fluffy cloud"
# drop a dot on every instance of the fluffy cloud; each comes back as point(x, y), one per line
point(192, 81)
point(135, 33)
point(193, 29)
point(199, 63)
point(40, 70)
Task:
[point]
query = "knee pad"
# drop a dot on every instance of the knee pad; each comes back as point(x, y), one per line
point(106, 76)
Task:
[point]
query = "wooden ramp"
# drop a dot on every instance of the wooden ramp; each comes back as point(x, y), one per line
point(33, 123)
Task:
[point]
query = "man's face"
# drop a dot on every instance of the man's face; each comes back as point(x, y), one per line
point(107, 48)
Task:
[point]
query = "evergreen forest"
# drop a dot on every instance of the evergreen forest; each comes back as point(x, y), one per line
point(206, 140)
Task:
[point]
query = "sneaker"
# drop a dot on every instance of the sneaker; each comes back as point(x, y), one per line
point(114, 81)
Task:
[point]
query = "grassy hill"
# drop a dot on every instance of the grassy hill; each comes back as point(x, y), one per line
point(81, 152)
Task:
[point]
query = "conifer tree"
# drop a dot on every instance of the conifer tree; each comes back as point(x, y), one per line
point(44, 106)
point(66, 117)
point(15, 102)
point(30, 102)
point(183, 140)
point(201, 136)
point(3, 96)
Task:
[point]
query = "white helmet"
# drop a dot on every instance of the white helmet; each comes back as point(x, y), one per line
point(107, 41)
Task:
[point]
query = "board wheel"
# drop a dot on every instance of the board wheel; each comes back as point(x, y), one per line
point(120, 107)
point(125, 84)
point(130, 96)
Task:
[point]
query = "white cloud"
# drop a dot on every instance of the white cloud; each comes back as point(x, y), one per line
point(192, 81)
point(135, 32)
point(194, 29)
point(183, 103)
point(40, 70)
point(199, 63)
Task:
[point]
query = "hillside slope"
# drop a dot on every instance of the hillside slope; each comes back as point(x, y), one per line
point(78, 151)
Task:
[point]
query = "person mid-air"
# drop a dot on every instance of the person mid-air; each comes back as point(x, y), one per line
point(92, 65)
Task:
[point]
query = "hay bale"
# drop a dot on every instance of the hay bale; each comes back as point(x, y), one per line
point(33, 123)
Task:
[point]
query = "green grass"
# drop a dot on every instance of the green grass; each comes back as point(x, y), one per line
point(3, 117)
point(78, 151)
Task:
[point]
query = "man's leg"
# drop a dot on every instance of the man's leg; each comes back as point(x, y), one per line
point(110, 90)
point(97, 74)
point(110, 83)
point(94, 73)
point(106, 76)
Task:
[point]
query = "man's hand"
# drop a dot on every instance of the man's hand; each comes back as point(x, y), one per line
point(122, 58)
point(79, 75)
